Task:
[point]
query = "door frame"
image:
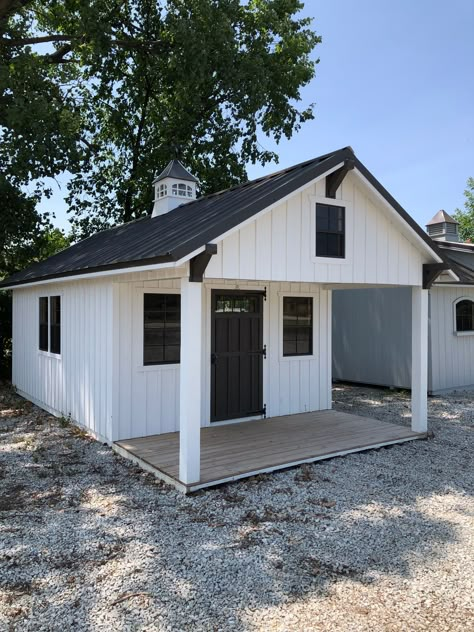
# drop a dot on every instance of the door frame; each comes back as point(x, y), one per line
point(225, 286)
point(237, 292)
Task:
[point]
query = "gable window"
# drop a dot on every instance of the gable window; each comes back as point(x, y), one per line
point(50, 324)
point(297, 325)
point(161, 328)
point(465, 315)
point(43, 323)
point(330, 231)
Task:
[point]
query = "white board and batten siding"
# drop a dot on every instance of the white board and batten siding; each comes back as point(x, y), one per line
point(452, 355)
point(78, 382)
point(148, 396)
point(279, 245)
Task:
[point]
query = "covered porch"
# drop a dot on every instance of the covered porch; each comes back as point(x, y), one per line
point(234, 451)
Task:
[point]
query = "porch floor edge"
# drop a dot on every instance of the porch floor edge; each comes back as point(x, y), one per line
point(194, 487)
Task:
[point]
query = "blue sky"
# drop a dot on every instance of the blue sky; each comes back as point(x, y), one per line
point(395, 83)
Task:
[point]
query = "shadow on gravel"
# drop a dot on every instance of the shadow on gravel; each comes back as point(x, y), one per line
point(92, 543)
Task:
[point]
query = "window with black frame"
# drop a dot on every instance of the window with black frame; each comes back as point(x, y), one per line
point(161, 328)
point(465, 315)
point(330, 231)
point(55, 324)
point(297, 326)
point(50, 324)
point(43, 323)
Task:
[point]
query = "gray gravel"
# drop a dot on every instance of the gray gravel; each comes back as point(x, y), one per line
point(381, 540)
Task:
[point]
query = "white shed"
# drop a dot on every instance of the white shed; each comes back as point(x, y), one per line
point(374, 345)
point(197, 340)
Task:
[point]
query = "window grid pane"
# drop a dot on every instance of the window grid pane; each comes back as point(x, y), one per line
point(465, 316)
point(161, 328)
point(55, 324)
point(330, 231)
point(297, 325)
point(43, 323)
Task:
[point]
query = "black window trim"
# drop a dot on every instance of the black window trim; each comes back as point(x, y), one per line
point(462, 332)
point(337, 204)
point(155, 365)
point(48, 351)
point(304, 356)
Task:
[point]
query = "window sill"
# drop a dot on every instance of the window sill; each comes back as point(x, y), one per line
point(157, 367)
point(332, 260)
point(464, 333)
point(298, 358)
point(49, 354)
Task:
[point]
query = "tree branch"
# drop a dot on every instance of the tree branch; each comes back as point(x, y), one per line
point(9, 7)
point(43, 39)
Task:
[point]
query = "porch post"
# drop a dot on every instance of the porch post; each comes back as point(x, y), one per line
point(190, 384)
point(419, 360)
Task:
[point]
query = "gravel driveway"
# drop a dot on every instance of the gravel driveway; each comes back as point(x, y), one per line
point(382, 540)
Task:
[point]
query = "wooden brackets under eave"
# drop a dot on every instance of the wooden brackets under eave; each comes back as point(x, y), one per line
point(198, 264)
point(334, 179)
point(431, 272)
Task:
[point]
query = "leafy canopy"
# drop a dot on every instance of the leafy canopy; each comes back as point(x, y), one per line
point(466, 217)
point(125, 86)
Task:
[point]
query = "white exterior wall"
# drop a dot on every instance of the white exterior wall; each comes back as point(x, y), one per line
point(279, 245)
point(452, 356)
point(148, 396)
point(78, 382)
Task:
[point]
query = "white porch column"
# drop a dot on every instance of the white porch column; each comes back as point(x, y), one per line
point(190, 383)
point(419, 360)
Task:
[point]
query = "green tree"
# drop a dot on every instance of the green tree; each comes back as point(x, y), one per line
point(465, 216)
point(150, 79)
point(40, 241)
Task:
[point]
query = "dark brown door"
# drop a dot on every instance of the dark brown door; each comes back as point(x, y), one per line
point(237, 354)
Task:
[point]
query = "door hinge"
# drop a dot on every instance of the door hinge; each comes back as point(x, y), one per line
point(264, 352)
point(265, 293)
point(264, 411)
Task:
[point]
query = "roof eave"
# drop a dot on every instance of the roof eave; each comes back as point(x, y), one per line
point(104, 270)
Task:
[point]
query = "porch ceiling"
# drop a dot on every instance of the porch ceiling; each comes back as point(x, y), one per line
point(234, 451)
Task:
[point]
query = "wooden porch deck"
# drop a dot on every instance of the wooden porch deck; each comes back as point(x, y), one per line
point(233, 451)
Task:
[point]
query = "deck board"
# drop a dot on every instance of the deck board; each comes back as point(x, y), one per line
point(234, 450)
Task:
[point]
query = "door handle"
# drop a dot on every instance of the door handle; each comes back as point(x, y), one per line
point(214, 357)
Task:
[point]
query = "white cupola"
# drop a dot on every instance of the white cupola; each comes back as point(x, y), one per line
point(443, 227)
point(173, 187)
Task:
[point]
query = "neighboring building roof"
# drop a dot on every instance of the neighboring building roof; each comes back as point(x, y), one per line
point(178, 233)
point(442, 217)
point(461, 257)
point(174, 169)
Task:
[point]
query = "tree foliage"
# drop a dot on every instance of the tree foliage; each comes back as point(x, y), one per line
point(128, 85)
point(465, 216)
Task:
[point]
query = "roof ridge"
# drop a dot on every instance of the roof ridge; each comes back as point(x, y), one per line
point(269, 176)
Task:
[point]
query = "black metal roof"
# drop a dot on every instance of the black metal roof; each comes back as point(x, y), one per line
point(174, 169)
point(178, 233)
point(461, 258)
